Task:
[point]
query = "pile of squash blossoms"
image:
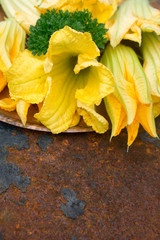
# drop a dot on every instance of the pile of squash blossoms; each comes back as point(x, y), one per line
point(74, 76)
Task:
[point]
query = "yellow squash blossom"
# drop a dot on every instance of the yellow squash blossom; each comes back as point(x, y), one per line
point(100, 9)
point(130, 103)
point(24, 11)
point(68, 79)
point(151, 56)
point(12, 41)
point(132, 18)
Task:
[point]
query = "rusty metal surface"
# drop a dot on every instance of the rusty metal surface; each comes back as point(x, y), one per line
point(78, 186)
point(120, 190)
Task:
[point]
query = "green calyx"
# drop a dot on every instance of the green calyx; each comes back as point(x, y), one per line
point(54, 20)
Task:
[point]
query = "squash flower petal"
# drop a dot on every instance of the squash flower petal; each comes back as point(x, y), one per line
point(3, 81)
point(68, 74)
point(130, 103)
point(100, 9)
point(147, 122)
point(145, 117)
point(59, 104)
point(22, 110)
point(26, 78)
point(132, 18)
point(156, 105)
point(132, 131)
point(150, 51)
point(26, 20)
point(75, 120)
point(92, 118)
point(116, 113)
point(24, 11)
point(74, 43)
point(8, 104)
point(12, 40)
point(95, 90)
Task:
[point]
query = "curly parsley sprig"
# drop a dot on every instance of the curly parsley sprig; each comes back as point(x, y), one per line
point(54, 20)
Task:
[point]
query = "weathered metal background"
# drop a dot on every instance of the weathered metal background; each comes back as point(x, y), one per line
point(117, 193)
point(121, 190)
